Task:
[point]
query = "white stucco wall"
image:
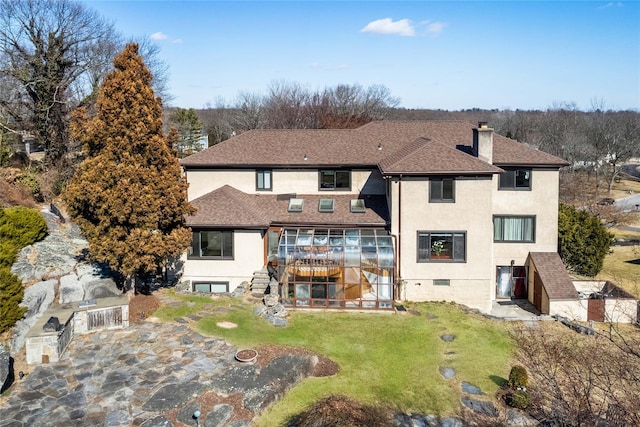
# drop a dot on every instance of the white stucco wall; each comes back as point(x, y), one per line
point(471, 281)
point(248, 253)
point(541, 201)
point(300, 181)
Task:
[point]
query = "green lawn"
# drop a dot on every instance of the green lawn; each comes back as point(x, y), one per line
point(384, 358)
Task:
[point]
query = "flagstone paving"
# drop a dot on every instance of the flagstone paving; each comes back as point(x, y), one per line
point(152, 374)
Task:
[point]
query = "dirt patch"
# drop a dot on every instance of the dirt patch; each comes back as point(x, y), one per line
point(325, 367)
point(142, 306)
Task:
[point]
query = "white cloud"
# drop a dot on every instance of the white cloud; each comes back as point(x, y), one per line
point(435, 28)
point(611, 4)
point(387, 26)
point(158, 36)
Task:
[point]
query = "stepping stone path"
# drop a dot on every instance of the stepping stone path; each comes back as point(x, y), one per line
point(479, 406)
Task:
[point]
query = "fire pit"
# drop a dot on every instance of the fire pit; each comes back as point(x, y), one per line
point(246, 355)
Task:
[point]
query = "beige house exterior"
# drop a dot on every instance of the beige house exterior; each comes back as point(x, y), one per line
point(360, 218)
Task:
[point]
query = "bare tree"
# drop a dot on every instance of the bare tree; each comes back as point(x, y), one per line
point(55, 54)
point(578, 380)
point(48, 45)
point(613, 139)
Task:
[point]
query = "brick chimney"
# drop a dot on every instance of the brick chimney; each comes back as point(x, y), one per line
point(483, 142)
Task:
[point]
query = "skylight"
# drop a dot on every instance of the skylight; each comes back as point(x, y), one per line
point(325, 205)
point(296, 205)
point(357, 205)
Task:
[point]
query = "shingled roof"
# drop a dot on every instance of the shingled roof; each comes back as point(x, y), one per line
point(554, 276)
point(366, 146)
point(229, 207)
point(427, 156)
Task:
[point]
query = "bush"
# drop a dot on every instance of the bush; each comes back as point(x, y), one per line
point(519, 399)
point(518, 377)
point(583, 241)
point(11, 294)
point(21, 226)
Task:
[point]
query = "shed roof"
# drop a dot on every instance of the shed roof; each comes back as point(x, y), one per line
point(554, 275)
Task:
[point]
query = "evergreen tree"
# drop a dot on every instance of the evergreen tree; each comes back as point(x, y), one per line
point(129, 196)
point(583, 241)
point(189, 129)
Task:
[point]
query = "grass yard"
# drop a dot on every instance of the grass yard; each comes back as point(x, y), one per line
point(384, 358)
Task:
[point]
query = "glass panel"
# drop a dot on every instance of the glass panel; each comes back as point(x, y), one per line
point(327, 180)
point(368, 238)
point(352, 256)
point(325, 205)
point(343, 180)
point(447, 189)
point(435, 189)
point(385, 257)
point(304, 237)
point(296, 205)
point(357, 205)
point(219, 287)
point(227, 244)
point(522, 178)
point(318, 290)
point(459, 252)
point(441, 246)
point(352, 237)
point(302, 303)
point(201, 287)
point(302, 291)
point(287, 302)
point(210, 243)
point(320, 238)
point(319, 303)
point(385, 292)
point(507, 179)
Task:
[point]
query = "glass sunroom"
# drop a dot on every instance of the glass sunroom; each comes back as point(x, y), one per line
point(336, 268)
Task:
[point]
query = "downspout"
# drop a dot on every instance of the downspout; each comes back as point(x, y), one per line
point(398, 241)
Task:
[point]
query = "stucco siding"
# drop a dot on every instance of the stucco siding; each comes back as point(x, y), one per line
point(300, 181)
point(470, 281)
point(248, 250)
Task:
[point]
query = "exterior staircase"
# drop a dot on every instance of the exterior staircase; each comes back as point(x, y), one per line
point(260, 281)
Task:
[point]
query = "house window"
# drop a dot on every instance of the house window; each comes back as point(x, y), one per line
point(514, 228)
point(441, 190)
point(211, 287)
point(212, 244)
point(335, 180)
point(442, 246)
point(515, 179)
point(263, 180)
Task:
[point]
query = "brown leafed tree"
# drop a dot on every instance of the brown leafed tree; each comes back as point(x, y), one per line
point(129, 196)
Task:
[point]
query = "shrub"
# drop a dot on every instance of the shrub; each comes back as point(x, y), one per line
point(29, 178)
point(518, 377)
point(519, 399)
point(11, 293)
point(583, 241)
point(21, 226)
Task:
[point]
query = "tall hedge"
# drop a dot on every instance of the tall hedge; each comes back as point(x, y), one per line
point(19, 227)
point(583, 241)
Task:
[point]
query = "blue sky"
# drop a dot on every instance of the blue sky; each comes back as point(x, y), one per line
point(442, 55)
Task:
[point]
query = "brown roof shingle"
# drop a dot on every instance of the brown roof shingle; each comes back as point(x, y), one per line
point(554, 276)
point(368, 145)
point(229, 207)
